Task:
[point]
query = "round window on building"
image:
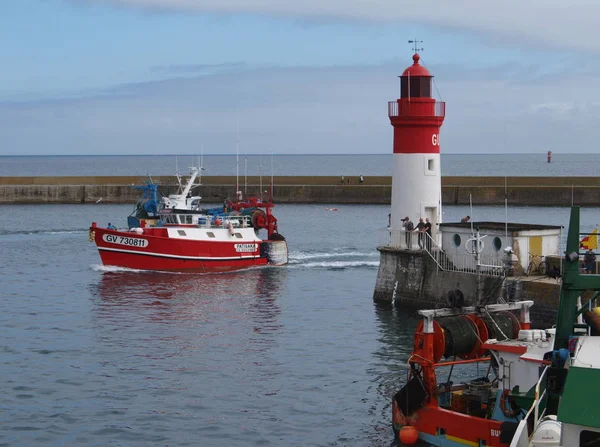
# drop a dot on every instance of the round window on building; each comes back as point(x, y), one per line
point(497, 243)
point(456, 240)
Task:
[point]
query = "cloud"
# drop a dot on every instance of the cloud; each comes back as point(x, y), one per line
point(309, 110)
point(556, 23)
point(198, 68)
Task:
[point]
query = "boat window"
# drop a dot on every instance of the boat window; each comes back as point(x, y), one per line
point(497, 243)
point(181, 232)
point(456, 240)
point(188, 219)
point(210, 234)
point(587, 437)
point(238, 235)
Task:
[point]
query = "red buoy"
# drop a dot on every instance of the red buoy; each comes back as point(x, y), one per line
point(409, 435)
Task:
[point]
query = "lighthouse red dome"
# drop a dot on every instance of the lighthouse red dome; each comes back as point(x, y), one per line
point(416, 69)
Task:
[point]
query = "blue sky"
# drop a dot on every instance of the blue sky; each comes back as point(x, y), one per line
point(167, 76)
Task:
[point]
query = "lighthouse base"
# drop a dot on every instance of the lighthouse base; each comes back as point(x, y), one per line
point(411, 279)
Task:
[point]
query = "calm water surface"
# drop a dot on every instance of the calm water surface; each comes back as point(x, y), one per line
point(289, 356)
point(318, 165)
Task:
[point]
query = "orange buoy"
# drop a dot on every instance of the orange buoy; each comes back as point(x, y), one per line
point(409, 435)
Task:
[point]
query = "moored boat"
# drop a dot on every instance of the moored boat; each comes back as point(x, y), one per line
point(175, 234)
point(565, 412)
point(483, 410)
point(540, 388)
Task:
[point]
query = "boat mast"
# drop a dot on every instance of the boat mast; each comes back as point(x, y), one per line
point(260, 177)
point(201, 164)
point(271, 191)
point(237, 163)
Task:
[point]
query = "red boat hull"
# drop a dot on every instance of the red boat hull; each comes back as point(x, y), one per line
point(439, 426)
point(151, 262)
point(154, 251)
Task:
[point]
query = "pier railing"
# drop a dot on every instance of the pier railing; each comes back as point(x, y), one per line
point(466, 263)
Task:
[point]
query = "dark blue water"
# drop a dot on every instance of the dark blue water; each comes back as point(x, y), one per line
point(289, 356)
point(347, 165)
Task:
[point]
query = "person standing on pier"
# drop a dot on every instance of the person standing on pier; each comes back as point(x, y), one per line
point(421, 229)
point(428, 231)
point(589, 261)
point(408, 227)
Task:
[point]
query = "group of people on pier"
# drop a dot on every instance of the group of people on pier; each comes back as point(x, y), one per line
point(422, 228)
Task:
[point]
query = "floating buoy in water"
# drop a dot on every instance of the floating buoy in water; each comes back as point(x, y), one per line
point(333, 209)
point(409, 435)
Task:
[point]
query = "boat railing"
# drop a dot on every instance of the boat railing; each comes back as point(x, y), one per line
point(527, 426)
point(224, 222)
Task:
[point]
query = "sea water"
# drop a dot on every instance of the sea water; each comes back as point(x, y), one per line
point(317, 165)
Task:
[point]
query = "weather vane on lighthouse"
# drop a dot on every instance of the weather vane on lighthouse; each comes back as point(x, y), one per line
point(416, 43)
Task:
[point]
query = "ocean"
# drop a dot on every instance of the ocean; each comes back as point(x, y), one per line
point(317, 165)
point(288, 356)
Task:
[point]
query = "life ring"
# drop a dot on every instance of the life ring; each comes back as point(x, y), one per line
point(471, 246)
point(504, 398)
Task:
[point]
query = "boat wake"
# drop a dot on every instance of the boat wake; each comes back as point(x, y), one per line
point(112, 269)
point(337, 265)
point(336, 260)
point(42, 232)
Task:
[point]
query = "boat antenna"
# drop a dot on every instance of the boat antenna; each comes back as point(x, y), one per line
point(471, 213)
point(178, 175)
point(505, 210)
point(245, 172)
point(237, 162)
point(201, 163)
point(271, 192)
point(260, 176)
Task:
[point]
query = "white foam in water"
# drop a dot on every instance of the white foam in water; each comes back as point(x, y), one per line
point(112, 268)
point(298, 256)
point(338, 264)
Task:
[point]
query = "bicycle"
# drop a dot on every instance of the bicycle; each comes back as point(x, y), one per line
point(537, 265)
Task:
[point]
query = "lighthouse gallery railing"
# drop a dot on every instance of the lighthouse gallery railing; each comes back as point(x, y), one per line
point(416, 109)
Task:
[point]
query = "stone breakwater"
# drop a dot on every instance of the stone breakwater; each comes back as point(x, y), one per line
point(529, 191)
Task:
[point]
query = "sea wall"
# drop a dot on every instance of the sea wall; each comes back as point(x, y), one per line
point(411, 279)
point(532, 191)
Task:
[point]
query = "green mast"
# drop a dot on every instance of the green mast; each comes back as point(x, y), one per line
point(573, 286)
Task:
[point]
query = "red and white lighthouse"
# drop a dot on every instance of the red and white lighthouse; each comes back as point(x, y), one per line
point(416, 178)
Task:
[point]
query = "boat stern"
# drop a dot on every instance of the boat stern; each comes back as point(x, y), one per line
point(275, 250)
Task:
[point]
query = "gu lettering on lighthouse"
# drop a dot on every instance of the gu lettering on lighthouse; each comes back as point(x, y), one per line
point(416, 179)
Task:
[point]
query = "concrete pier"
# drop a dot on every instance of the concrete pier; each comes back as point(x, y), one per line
point(411, 279)
point(528, 191)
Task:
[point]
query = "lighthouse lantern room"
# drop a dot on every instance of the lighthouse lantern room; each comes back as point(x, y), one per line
point(416, 179)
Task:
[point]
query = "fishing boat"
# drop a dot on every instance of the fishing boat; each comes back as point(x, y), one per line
point(175, 234)
point(565, 412)
point(539, 387)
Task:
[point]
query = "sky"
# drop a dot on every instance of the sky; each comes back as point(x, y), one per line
point(276, 76)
